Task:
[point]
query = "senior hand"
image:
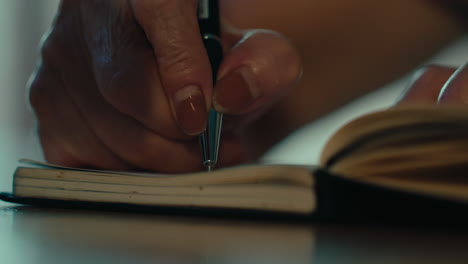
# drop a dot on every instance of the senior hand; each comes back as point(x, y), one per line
point(126, 84)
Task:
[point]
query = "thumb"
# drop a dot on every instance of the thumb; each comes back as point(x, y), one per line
point(256, 72)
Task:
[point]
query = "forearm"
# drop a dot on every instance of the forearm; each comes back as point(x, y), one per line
point(347, 48)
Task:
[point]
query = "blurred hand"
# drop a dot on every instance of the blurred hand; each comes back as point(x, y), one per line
point(437, 84)
point(126, 84)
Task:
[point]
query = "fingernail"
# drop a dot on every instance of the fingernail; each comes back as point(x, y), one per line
point(425, 84)
point(190, 110)
point(236, 91)
point(455, 90)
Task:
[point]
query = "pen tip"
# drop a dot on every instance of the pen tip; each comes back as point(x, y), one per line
point(209, 165)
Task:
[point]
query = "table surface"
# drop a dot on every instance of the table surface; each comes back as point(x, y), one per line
point(46, 235)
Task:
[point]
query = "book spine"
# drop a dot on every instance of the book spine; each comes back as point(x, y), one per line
point(344, 199)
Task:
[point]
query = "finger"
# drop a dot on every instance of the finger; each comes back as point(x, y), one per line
point(124, 66)
point(426, 84)
point(130, 83)
point(172, 29)
point(132, 141)
point(126, 137)
point(455, 90)
point(256, 72)
point(65, 137)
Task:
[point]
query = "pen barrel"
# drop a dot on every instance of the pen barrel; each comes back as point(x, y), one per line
point(214, 49)
point(208, 17)
point(210, 139)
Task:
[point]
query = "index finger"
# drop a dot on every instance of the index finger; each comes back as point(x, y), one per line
point(171, 26)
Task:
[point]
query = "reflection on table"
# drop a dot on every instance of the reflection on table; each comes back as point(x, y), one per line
point(41, 235)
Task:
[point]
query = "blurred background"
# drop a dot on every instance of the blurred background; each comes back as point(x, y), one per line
point(22, 24)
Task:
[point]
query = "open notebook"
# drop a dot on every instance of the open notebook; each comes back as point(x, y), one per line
point(408, 159)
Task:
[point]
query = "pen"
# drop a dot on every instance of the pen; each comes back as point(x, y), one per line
point(208, 19)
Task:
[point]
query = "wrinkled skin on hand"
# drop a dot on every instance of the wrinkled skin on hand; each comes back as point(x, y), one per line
point(127, 84)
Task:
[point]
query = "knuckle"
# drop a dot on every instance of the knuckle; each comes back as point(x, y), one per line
point(49, 52)
point(35, 98)
point(42, 88)
point(52, 47)
point(48, 48)
point(37, 92)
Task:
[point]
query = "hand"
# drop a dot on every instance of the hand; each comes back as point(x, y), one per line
point(126, 84)
point(437, 84)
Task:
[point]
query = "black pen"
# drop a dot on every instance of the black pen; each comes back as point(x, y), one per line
point(208, 19)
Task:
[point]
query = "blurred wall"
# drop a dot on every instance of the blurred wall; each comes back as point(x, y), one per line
point(22, 24)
